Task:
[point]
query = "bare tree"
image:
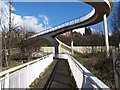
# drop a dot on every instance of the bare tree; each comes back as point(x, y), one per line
point(115, 25)
point(8, 28)
point(3, 28)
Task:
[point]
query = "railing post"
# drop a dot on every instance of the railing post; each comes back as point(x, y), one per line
point(38, 67)
point(27, 76)
point(7, 81)
point(72, 43)
point(0, 85)
point(19, 81)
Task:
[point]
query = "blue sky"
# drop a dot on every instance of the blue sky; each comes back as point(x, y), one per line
point(56, 12)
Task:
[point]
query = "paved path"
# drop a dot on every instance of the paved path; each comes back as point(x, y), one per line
point(57, 76)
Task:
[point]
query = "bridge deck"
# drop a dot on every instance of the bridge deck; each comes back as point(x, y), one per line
point(57, 76)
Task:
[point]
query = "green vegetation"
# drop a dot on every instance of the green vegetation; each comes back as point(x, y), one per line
point(95, 39)
point(85, 62)
point(12, 63)
point(99, 66)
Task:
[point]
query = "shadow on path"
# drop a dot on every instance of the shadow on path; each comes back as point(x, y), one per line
point(57, 76)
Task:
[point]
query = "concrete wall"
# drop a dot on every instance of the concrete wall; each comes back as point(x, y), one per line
point(81, 49)
point(48, 49)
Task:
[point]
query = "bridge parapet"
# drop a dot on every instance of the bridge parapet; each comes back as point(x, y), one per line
point(69, 23)
point(22, 76)
point(93, 17)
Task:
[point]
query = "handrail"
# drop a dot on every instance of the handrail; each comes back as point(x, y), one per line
point(21, 66)
point(93, 17)
point(94, 80)
point(83, 77)
point(22, 76)
point(68, 23)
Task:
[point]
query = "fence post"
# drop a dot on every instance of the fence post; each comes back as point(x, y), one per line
point(0, 86)
point(7, 81)
point(38, 64)
point(117, 78)
point(28, 76)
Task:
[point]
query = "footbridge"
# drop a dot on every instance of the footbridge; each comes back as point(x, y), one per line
point(64, 67)
point(64, 73)
point(100, 11)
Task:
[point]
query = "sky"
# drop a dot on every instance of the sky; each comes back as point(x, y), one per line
point(56, 12)
point(39, 16)
point(59, 0)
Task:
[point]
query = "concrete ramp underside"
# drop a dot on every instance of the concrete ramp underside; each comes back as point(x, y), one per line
point(101, 9)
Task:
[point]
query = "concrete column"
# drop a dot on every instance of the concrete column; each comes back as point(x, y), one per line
point(54, 42)
point(71, 42)
point(60, 48)
point(56, 46)
point(106, 35)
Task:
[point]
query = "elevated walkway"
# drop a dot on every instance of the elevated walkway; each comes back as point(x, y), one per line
point(97, 15)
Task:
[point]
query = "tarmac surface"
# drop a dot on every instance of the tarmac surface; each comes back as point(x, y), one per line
point(57, 76)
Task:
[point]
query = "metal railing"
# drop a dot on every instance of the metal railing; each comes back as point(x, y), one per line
point(83, 77)
point(22, 76)
point(72, 22)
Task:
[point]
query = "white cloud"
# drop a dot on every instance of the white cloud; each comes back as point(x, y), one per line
point(32, 23)
point(30, 19)
point(45, 19)
point(110, 33)
point(4, 10)
point(80, 30)
point(16, 19)
point(29, 23)
point(94, 31)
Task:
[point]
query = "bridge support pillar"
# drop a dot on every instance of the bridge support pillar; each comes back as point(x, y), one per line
point(71, 42)
point(106, 35)
point(56, 47)
point(54, 42)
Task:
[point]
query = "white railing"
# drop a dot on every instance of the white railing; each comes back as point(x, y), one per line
point(72, 22)
point(22, 76)
point(83, 77)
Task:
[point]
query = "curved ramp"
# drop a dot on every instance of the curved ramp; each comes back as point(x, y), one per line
point(66, 47)
point(101, 9)
point(96, 15)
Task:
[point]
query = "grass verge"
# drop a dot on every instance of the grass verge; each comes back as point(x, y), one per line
point(100, 66)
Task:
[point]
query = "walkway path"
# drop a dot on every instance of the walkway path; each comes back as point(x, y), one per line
point(57, 76)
